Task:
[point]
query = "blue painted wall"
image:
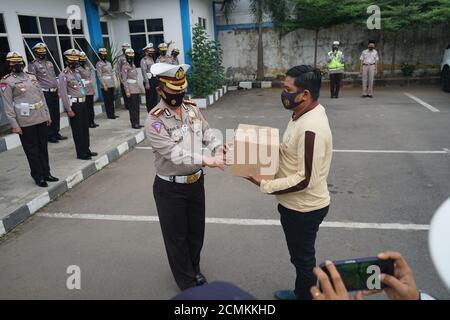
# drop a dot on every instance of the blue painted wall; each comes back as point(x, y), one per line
point(186, 29)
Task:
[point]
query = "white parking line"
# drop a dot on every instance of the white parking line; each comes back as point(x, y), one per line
point(240, 222)
point(443, 151)
point(423, 103)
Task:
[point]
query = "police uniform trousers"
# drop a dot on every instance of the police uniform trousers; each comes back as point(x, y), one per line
point(108, 97)
point(52, 100)
point(181, 212)
point(80, 129)
point(151, 96)
point(90, 108)
point(126, 100)
point(135, 100)
point(368, 78)
point(34, 142)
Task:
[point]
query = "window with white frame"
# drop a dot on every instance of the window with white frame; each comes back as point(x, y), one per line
point(144, 31)
point(54, 32)
point(4, 47)
point(105, 34)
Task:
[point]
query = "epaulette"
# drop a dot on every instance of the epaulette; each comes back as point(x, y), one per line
point(66, 70)
point(157, 112)
point(191, 102)
point(6, 76)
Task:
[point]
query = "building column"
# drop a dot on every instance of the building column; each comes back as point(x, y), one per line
point(186, 29)
point(95, 32)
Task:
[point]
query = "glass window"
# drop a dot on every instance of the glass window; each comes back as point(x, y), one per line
point(104, 26)
point(106, 42)
point(65, 44)
point(28, 24)
point(61, 24)
point(156, 39)
point(2, 24)
point(4, 49)
point(137, 43)
point(154, 25)
point(52, 45)
point(136, 26)
point(83, 45)
point(30, 42)
point(78, 27)
point(47, 25)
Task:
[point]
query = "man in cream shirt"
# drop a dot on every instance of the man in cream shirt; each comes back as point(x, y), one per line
point(300, 184)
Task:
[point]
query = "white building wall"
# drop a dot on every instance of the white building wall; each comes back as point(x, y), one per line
point(202, 9)
point(168, 10)
point(44, 8)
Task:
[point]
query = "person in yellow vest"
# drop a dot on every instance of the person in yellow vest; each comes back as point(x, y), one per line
point(335, 62)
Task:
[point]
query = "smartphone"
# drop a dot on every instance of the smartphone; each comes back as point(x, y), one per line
point(362, 273)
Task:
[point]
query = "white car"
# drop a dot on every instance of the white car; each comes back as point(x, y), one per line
point(445, 70)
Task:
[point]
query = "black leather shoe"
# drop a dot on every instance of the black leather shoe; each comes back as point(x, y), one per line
point(51, 178)
point(92, 126)
point(53, 140)
point(137, 126)
point(200, 279)
point(85, 158)
point(60, 137)
point(41, 183)
point(93, 154)
point(96, 125)
point(113, 117)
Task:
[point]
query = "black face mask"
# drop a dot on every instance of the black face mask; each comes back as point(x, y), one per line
point(173, 99)
point(130, 60)
point(17, 68)
point(371, 48)
point(288, 99)
point(103, 57)
point(41, 56)
point(73, 65)
point(82, 64)
point(335, 48)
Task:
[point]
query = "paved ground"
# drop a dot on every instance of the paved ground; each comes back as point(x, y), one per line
point(121, 254)
point(16, 185)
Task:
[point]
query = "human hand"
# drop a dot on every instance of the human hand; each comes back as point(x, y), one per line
point(49, 122)
point(334, 289)
point(71, 114)
point(105, 87)
point(128, 94)
point(17, 130)
point(400, 286)
point(147, 86)
point(254, 179)
point(214, 162)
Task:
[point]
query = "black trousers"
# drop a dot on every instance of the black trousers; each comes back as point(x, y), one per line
point(181, 212)
point(135, 100)
point(335, 83)
point(126, 100)
point(34, 142)
point(300, 230)
point(80, 129)
point(90, 109)
point(151, 96)
point(108, 97)
point(52, 100)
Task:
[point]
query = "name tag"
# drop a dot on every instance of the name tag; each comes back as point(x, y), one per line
point(25, 109)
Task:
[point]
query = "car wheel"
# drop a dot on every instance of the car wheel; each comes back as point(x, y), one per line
point(445, 79)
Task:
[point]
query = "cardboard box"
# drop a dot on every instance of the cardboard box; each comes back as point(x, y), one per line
point(255, 151)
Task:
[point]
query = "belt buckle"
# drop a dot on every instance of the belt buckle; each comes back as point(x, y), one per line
point(37, 106)
point(192, 178)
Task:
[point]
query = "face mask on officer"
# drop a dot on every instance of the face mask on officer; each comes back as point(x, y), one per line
point(291, 100)
point(73, 64)
point(17, 68)
point(41, 56)
point(82, 63)
point(102, 56)
point(130, 60)
point(172, 99)
point(335, 48)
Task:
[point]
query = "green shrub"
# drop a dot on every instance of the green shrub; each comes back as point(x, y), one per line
point(407, 69)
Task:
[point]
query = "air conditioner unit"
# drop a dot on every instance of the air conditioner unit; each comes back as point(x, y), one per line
point(113, 7)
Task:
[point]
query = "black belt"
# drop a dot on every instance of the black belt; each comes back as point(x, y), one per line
point(368, 64)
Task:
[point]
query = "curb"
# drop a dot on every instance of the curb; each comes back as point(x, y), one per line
point(12, 141)
point(27, 210)
point(203, 103)
point(354, 82)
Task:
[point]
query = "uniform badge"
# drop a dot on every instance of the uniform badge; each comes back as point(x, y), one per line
point(191, 113)
point(157, 126)
point(3, 86)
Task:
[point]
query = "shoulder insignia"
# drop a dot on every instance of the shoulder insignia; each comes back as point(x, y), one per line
point(6, 76)
point(167, 112)
point(191, 102)
point(157, 126)
point(157, 112)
